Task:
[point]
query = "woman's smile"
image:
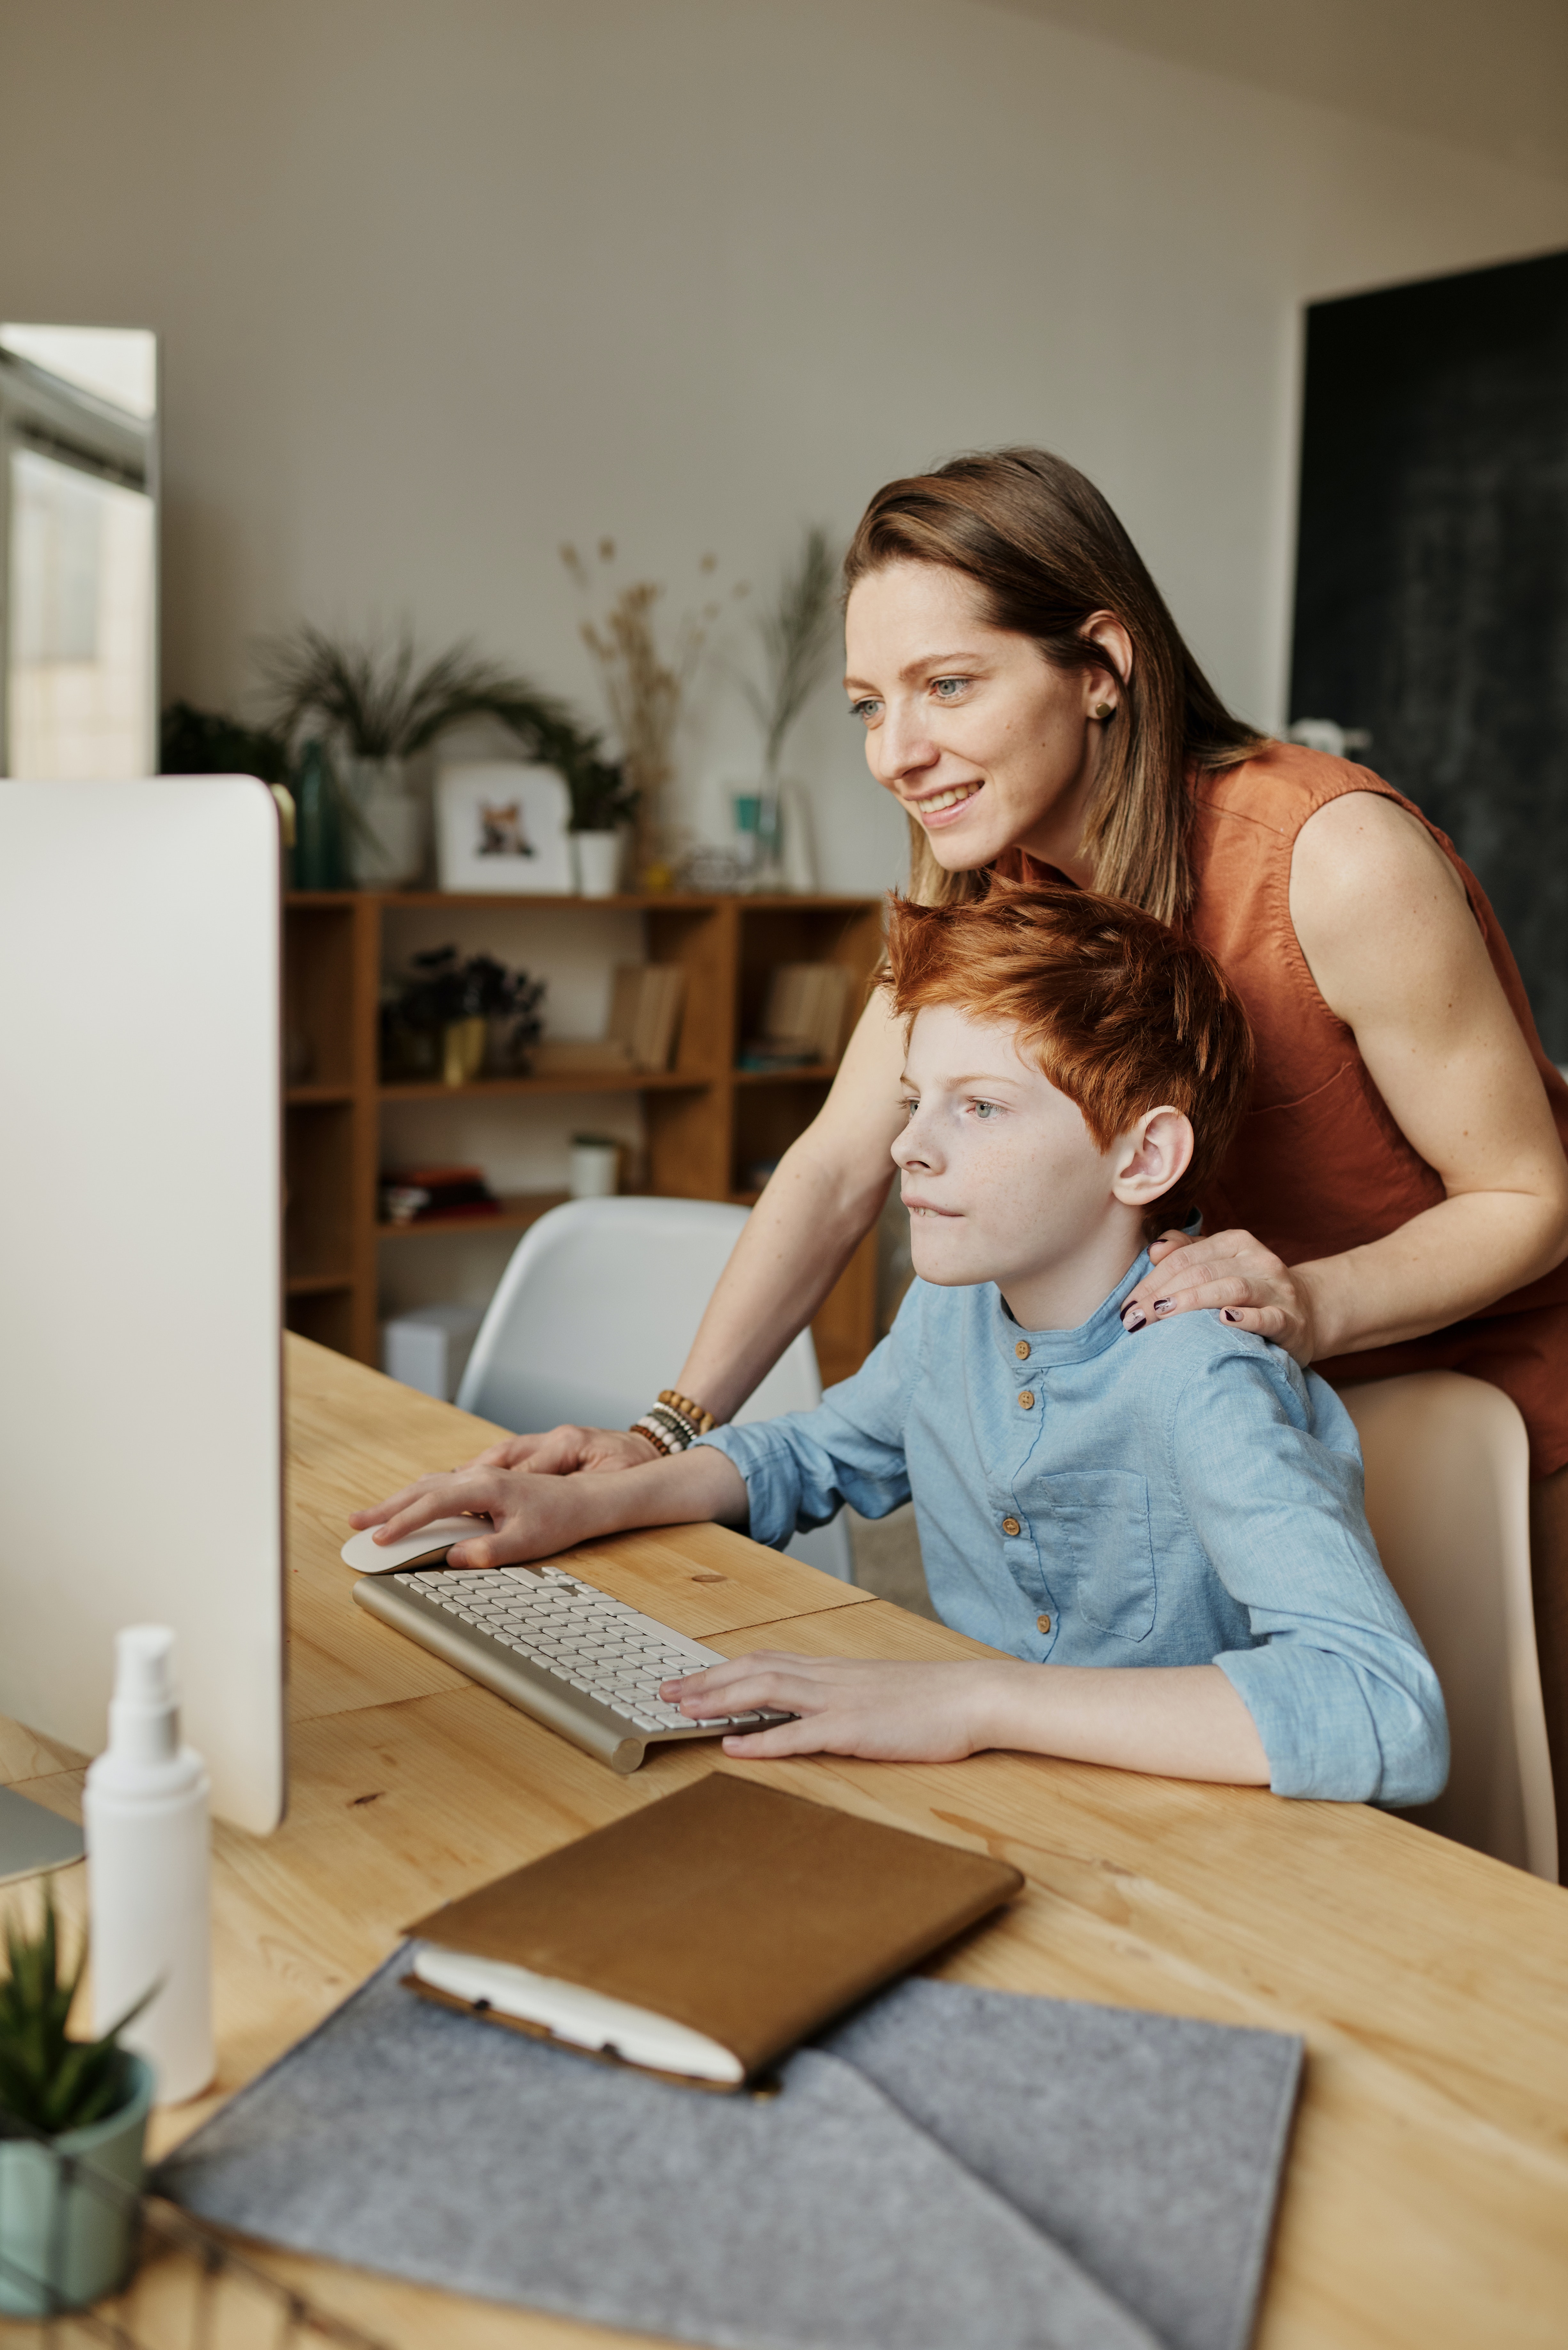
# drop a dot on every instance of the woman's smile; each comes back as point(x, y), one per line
point(934, 805)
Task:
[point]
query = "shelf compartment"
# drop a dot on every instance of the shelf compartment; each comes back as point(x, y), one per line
point(518, 1210)
point(589, 1081)
point(325, 1314)
point(665, 901)
point(318, 1163)
point(318, 994)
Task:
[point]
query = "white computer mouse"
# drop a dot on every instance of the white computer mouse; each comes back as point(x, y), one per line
point(366, 1555)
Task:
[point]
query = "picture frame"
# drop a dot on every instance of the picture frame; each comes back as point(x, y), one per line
point(503, 824)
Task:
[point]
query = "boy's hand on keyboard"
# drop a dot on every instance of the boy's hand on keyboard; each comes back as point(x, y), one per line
point(519, 1517)
point(884, 1712)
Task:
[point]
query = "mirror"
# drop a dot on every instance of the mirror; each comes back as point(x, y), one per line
point(78, 527)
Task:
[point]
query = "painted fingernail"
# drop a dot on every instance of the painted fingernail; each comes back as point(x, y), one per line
point(1225, 1315)
point(1162, 1305)
point(1132, 1320)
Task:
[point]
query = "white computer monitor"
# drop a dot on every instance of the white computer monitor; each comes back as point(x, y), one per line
point(140, 1261)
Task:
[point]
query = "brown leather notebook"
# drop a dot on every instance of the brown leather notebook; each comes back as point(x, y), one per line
point(705, 1934)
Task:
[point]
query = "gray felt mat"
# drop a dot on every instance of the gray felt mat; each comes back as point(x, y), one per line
point(950, 2166)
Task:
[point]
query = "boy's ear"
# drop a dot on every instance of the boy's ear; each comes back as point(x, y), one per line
point(1154, 1155)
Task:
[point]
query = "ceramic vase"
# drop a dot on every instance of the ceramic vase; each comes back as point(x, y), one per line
point(67, 2209)
point(599, 860)
point(463, 1044)
point(385, 823)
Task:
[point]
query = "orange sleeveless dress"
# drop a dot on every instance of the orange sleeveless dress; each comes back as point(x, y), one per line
point(1319, 1166)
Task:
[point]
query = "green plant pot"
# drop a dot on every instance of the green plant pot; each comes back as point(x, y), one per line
point(65, 2240)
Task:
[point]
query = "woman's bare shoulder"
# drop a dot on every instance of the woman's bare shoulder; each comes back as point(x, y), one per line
point(1381, 910)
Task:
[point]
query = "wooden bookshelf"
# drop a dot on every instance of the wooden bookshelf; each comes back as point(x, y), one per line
point(706, 1122)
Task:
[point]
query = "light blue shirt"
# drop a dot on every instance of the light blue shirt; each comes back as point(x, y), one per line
point(1186, 1495)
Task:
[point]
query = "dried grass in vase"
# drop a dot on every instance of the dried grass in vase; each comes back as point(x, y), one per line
point(644, 692)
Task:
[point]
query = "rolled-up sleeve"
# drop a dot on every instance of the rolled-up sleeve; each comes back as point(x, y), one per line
point(801, 1468)
point(1339, 1688)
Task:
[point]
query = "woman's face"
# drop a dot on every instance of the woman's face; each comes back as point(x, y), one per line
point(968, 726)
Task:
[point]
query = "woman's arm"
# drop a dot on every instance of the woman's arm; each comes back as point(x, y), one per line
point(1180, 1721)
point(1396, 953)
point(823, 1200)
point(824, 1197)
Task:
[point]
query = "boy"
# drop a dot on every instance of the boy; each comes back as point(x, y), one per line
point(1170, 1523)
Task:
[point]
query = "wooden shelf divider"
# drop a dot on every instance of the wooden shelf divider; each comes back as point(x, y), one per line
point(708, 1124)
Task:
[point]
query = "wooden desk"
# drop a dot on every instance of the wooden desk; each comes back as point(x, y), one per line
point(1426, 2195)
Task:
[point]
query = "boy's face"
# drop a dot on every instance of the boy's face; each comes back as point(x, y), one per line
point(1005, 1182)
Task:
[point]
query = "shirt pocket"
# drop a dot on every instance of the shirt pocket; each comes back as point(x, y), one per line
point(1101, 1517)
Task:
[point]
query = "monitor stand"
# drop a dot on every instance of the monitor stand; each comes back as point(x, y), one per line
point(31, 1839)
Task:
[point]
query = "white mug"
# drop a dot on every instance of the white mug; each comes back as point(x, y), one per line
point(595, 1167)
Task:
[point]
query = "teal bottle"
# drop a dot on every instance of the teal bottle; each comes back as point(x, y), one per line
point(318, 842)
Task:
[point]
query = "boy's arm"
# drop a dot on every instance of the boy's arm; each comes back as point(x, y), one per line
point(773, 1473)
point(803, 1467)
point(1269, 1472)
point(1182, 1721)
point(535, 1517)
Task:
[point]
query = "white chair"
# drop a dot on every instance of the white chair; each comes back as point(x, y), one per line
point(594, 1313)
point(1448, 1466)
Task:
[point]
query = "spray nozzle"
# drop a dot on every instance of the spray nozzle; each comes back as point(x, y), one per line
point(144, 1714)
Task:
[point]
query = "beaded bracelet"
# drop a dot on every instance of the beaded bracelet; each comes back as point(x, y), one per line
point(702, 1421)
point(660, 1443)
point(673, 1423)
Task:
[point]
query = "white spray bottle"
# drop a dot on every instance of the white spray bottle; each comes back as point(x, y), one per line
point(146, 1813)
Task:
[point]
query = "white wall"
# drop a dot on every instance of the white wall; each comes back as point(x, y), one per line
point(440, 283)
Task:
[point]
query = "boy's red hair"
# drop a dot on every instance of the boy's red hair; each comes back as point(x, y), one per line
point(1120, 1013)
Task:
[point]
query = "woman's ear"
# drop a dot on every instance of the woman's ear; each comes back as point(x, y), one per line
point(1155, 1153)
point(1104, 632)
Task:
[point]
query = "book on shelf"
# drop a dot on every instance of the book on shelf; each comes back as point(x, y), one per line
point(803, 1018)
point(414, 1195)
point(646, 1002)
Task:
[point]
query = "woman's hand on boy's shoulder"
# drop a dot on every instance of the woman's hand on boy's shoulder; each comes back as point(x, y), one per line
point(883, 1712)
point(1234, 1275)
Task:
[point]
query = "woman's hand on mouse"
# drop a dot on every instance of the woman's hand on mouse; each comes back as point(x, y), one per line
point(1236, 1276)
point(529, 1517)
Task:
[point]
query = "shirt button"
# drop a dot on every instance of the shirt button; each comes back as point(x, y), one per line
point(1026, 1400)
point(1010, 1526)
point(1044, 1623)
point(1022, 1350)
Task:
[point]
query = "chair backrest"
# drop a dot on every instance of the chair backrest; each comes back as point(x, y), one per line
point(594, 1313)
point(1447, 1465)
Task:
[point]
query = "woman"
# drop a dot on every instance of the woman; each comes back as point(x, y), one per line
point(1398, 1197)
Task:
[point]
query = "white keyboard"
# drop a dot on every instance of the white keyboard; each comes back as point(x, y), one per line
point(575, 1658)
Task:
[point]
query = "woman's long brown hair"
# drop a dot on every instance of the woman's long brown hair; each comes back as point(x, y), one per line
point(1047, 552)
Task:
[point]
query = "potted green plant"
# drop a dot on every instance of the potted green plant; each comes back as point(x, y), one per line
point(453, 1018)
point(604, 802)
point(73, 2119)
point(376, 704)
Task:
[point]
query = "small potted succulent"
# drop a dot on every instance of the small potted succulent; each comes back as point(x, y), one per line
point(73, 2117)
point(604, 802)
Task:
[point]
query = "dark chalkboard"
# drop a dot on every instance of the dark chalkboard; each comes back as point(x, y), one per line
point(1432, 576)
